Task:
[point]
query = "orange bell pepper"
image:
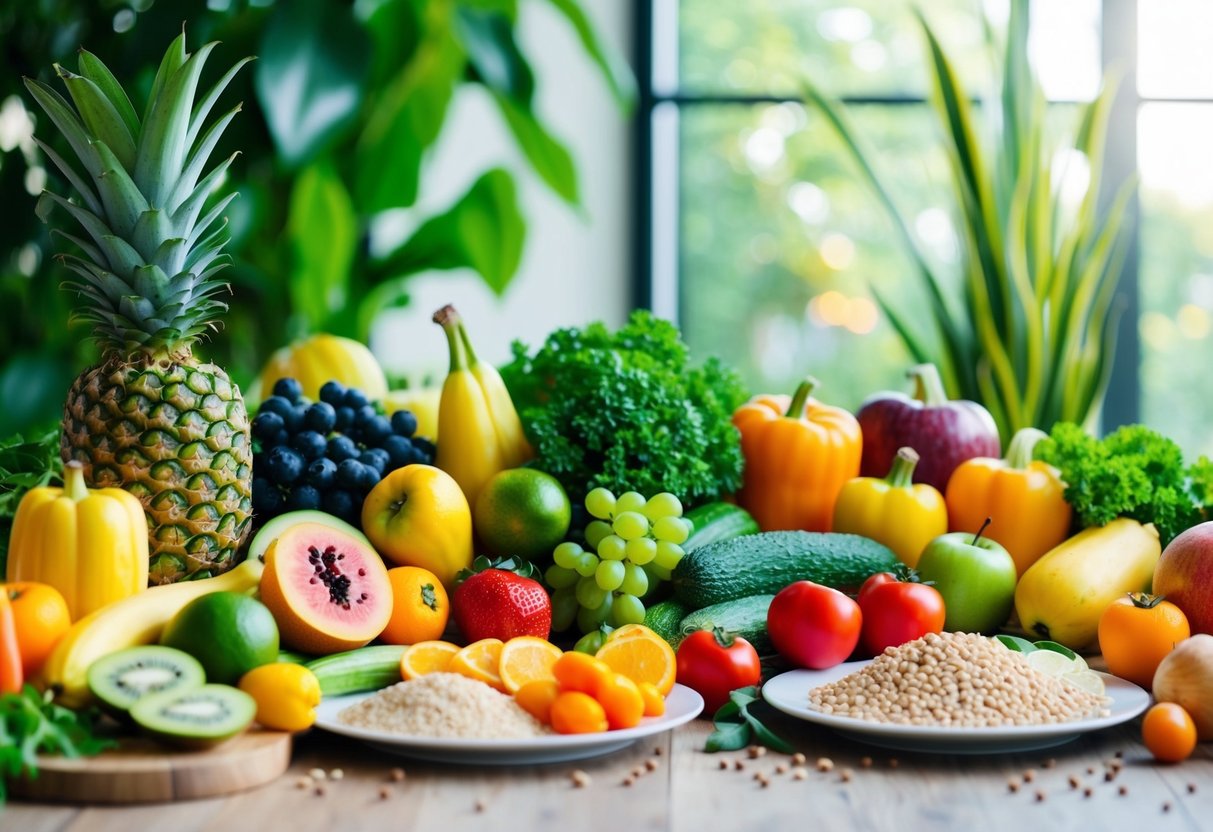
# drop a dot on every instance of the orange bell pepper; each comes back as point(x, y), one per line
point(1025, 500)
point(12, 677)
point(893, 511)
point(798, 455)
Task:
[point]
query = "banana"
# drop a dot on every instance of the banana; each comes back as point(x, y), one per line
point(135, 620)
point(515, 450)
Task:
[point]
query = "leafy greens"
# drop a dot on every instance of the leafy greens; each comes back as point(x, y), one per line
point(24, 464)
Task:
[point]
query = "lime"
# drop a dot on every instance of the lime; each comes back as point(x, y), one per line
point(227, 632)
point(1054, 664)
point(521, 512)
point(1087, 680)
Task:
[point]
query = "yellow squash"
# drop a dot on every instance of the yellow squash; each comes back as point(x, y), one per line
point(479, 425)
point(127, 623)
point(321, 358)
point(89, 545)
point(1062, 596)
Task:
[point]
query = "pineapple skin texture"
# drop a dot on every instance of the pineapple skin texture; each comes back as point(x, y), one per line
point(175, 433)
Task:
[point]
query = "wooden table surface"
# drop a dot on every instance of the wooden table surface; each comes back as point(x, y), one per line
point(688, 791)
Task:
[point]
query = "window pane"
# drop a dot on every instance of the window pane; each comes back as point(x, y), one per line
point(1176, 271)
point(780, 238)
point(1174, 59)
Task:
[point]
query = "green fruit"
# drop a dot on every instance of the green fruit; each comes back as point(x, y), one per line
point(763, 564)
point(522, 513)
point(196, 717)
point(976, 577)
point(121, 679)
point(227, 632)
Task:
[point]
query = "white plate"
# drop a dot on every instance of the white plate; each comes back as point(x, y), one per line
point(789, 692)
point(681, 706)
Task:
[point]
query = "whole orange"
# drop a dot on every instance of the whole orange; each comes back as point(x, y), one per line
point(420, 607)
point(1136, 632)
point(41, 618)
point(1168, 732)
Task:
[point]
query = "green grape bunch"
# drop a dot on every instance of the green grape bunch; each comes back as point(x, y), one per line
point(634, 545)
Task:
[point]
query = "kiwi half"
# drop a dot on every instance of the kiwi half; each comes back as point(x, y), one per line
point(122, 678)
point(195, 718)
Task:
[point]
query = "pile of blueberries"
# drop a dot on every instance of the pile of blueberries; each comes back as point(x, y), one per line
point(328, 454)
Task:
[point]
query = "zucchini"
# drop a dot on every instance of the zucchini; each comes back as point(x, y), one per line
point(367, 668)
point(665, 619)
point(763, 564)
point(745, 617)
point(718, 521)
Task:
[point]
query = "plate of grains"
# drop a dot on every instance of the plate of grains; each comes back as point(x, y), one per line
point(449, 718)
point(952, 693)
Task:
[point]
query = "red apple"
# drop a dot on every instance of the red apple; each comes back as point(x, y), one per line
point(1185, 576)
point(944, 432)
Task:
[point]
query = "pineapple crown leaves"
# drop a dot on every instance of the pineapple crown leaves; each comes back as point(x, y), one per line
point(150, 255)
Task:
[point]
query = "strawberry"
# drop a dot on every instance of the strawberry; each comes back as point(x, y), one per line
point(500, 604)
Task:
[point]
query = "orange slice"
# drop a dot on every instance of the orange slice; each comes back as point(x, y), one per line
point(427, 657)
point(631, 631)
point(526, 659)
point(479, 661)
point(642, 658)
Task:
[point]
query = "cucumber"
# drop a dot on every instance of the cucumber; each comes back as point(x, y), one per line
point(367, 668)
point(718, 521)
point(665, 619)
point(291, 657)
point(763, 564)
point(745, 617)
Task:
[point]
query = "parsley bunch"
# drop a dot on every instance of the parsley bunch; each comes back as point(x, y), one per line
point(1133, 472)
point(24, 464)
point(625, 411)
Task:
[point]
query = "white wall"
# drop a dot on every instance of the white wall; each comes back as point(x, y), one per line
point(575, 267)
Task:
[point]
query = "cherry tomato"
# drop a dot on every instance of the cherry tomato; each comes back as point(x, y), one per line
point(895, 612)
point(1168, 732)
point(713, 663)
point(813, 626)
point(1136, 632)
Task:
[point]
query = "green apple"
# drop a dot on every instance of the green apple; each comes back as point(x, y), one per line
point(976, 577)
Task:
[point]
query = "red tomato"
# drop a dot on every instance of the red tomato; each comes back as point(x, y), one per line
point(895, 612)
point(812, 625)
point(713, 664)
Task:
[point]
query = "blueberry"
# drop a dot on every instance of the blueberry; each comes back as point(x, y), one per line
point(376, 458)
point(341, 448)
point(310, 444)
point(349, 473)
point(427, 447)
point(419, 456)
point(320, 417)
point(399, 450)
point(266, 425)
point(342, 504)
point(363, 415)
point(302, 498)
point(375, 430)
point(369, 478)
point(294, 419)
point(289, 389)
point(332, 392)
point(282, 437)
point(344, 418)
point(354, 398)
point(267, 499)
point(320, 473)
point(275, 404)
point(404, 423)
point(284, 464)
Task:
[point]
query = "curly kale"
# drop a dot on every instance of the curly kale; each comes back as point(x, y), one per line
point(625, 411)
point(1133, 472)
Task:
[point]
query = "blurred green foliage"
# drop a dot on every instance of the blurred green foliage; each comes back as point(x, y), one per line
point(340, 109)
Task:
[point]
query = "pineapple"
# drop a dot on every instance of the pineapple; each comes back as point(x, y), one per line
point(152, 418)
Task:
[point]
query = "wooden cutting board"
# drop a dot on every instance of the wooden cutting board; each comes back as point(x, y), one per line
point(143, 771)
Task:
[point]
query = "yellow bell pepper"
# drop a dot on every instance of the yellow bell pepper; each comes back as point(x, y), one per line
point(286, 695)
point(893, 511)
point(480, 429)
point(91, 545)
point(1024, 499)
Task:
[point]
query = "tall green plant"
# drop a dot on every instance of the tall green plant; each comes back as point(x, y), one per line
point(1032, 336)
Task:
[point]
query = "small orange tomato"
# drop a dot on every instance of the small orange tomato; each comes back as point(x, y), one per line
point(580, 672)
point(536, 698)
point(1136, 632)
point(622, 701)
point(654, 702)
point(1168, 732)
point(41, 618)
point(575, 712)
